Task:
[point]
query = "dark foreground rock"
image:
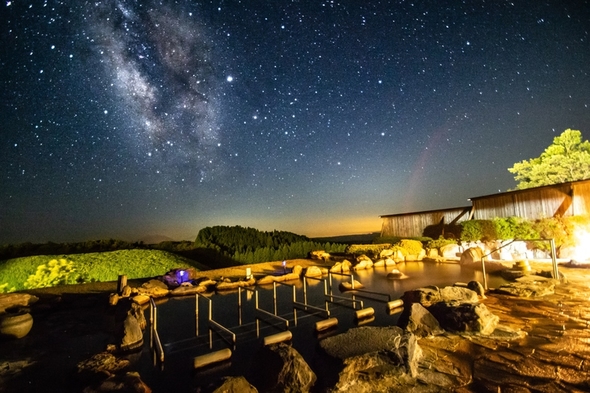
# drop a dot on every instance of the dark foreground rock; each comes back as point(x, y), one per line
point(280, 368)
point(373, 358)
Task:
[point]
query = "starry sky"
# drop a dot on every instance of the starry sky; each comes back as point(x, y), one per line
point(126, 119)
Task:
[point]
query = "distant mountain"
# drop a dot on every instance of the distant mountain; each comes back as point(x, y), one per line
point(349, 239)
point(155, 239)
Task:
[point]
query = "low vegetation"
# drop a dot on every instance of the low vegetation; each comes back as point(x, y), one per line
point(49, 270)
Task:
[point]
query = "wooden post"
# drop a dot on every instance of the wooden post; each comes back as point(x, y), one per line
point(277, 338)
point(213, 357)
point(122, 282)
point(325, 324)
point(365, 313)
point(395, 304)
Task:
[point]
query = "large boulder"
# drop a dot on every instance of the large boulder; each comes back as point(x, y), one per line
point(529, 286)
point(313, 271)
point(235, 385)
point(428, 296)
point(101, 365)
point(465, 317)
point(373, 359)
point(341, 267)
point(280, 368)
point(12, 300)
point(450, 251)
point(418, 320)
point(132, 334)
point(471, 255)
point(129, 382)
point(153, 288)
point(188, 289)
point(226, 286)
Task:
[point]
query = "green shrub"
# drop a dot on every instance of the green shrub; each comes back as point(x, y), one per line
point(4, 288)
point(413, 247)
point(397, 239)
point(369, 249)
point(56, 272)
point(440, 242)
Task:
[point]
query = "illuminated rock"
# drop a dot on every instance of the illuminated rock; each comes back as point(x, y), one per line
point(313, 271)
point(280, 368)
point(471, 255)
point(418, 320)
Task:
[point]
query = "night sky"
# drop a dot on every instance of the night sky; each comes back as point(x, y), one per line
point(123, 119)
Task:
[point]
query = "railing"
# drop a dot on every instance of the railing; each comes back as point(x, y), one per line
point(260, 311)
point(213, 325)
point(154, 337)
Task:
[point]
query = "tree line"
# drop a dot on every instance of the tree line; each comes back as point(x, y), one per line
point(214, 246)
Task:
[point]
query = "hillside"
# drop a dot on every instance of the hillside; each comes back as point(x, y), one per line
point(97, 266)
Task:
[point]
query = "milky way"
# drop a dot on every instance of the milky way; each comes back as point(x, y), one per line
point(161, 64)
point(134, 118)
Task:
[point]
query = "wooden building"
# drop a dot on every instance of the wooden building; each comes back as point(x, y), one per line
point(430, 223)
point(564, 199)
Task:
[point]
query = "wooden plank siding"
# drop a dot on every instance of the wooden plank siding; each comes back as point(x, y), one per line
point(565, 199)
point(414, 224)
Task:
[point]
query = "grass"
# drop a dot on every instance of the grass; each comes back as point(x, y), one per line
point(97, 266)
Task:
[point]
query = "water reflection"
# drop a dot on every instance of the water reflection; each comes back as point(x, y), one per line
point(177, 323)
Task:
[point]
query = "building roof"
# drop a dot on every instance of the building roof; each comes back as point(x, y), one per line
point(427, 211)
point(530, 189)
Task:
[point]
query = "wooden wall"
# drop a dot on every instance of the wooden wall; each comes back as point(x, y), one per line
point(413, 224)
point(566, 199)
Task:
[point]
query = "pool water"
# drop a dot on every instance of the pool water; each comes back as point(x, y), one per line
point(185, 336)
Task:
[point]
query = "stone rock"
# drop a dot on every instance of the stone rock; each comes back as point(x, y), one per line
point(341, 267)
point(385, 253)
point(401, 348)
point(126, 292)
point(471, 255)
point(235, 385)
point(450, 251)
point(395, 274)
point(417, 257)
point(347, 286)
point(140, 299)
point(285, 370)
point(15, 323)
point(426, 296)
point(104, 364)
point(361, 340)
point(319, 255)
point(132, 334)
point(294, 275)
point(531, 286)
point(418, 320)
point(136, 311)
point(398, 256)
point(10, 300)
point(476, 287)
point(113, 299)
point(456, 295)
point(131, 382)
point(432, 253)
point(154, 289)
point(363, 264)
point(363, 257)
point(466, 317)
point(226, 286)
point(185, 290)
point(313, 271)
